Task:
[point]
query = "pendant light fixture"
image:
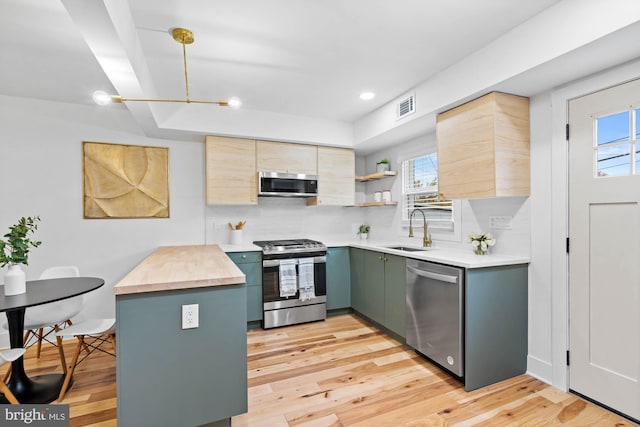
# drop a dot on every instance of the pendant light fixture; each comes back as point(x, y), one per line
point(184, 37)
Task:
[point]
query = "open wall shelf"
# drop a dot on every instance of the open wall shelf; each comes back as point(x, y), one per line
point(374, 176)
point(367, 204)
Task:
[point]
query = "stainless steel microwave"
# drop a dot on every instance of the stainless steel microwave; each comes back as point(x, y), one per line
point(287, 184)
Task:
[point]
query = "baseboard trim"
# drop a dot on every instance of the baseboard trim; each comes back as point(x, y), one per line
point(540, 369)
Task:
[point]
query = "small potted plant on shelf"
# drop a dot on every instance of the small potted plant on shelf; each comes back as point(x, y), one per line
point(15, 251)
point(363, 231)
point(382, 165)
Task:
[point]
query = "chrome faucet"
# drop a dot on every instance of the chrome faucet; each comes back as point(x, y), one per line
point(426, 239)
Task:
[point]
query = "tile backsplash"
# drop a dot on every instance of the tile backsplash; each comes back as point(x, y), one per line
point(280, 217)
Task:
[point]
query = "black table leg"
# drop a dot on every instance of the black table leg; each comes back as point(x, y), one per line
point(39, 389)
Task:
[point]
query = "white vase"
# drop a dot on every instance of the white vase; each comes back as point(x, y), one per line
point(235, 237)
point(364, 236)
point(15, 281)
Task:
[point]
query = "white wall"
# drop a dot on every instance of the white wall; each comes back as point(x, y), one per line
point(540, 329)
point(41, 173)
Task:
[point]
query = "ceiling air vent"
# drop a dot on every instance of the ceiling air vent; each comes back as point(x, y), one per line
point(405, 107)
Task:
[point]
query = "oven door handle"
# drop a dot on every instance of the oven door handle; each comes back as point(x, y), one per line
point(276, 262)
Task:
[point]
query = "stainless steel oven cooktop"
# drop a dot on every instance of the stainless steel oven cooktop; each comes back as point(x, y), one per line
point(294, 288)
point(290, 246)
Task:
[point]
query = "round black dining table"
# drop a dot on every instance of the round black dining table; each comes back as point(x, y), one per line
point(42, 388)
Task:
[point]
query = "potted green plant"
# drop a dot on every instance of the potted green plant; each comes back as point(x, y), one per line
point(363, 231)
point(382, 165)
point(14, 251)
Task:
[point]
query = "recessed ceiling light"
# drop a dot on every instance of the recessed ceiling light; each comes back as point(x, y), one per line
point(235, 102)
point(101, 97)
point(367, 96)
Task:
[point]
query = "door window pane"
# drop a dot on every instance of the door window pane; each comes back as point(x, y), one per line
point(614, 160)
point(613, 128)
point(637, 124)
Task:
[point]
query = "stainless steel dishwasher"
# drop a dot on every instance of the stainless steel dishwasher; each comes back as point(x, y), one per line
point(435, 313)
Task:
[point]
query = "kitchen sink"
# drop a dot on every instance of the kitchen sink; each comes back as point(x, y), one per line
point(407, 248)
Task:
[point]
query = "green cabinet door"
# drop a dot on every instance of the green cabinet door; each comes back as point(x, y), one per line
point(250, 263)
point(395, 294)
point(338, 279)
point(356, 258)
point(373, 298)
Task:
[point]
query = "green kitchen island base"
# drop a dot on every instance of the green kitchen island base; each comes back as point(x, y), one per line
point(170, 376)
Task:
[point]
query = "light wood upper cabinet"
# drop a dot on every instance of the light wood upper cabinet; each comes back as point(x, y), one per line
point(231, 171)
point(336, 175)
point(288, 158)
point(483, 148)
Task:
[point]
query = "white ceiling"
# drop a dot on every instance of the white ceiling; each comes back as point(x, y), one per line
point(300, 57)
point(302, 60)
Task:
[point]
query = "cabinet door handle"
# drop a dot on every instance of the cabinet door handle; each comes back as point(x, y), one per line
point(244, 257)
point(385, 259)
point(380, 258)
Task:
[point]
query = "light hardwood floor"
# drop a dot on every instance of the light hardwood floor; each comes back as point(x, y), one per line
point(343, 372)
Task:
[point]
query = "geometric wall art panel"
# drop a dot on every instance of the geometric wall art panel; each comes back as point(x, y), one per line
point(125, 181)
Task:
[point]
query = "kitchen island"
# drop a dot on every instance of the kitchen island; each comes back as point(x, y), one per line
point(167, 375)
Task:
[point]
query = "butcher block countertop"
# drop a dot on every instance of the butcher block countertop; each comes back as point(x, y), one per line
point(181, 267)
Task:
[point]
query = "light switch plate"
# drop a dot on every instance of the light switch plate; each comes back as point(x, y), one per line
point(190, 316)
point(501, 222)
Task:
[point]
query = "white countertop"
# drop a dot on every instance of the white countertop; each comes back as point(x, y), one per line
point(458, 257)
point(445, 255)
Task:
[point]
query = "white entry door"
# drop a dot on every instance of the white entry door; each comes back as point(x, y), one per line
point(604, 255)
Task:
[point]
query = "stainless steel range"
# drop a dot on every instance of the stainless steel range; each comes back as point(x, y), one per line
point(294, 284)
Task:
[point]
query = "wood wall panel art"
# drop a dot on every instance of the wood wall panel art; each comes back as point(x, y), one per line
point(125, 181)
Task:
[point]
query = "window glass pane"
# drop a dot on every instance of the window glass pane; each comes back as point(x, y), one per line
point(420, 190)
point(613, 128)
point(614, 160)
point(422, 173)
point(637, 124)
point(637, 145)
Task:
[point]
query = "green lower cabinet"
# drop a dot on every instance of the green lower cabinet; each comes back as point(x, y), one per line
point(496, 324)
point(378, 288)
point(250, 263)
point(338, 279)
point(395, 305)
point(254, 303)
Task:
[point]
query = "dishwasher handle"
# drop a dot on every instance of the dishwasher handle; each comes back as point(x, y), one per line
point(432, 275)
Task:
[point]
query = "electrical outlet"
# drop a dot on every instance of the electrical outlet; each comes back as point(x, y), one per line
point(504, 222)
point(190, 316)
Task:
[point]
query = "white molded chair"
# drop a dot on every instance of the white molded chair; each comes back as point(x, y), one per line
point(42, 320)
point(91, 335)
point(9, 356)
